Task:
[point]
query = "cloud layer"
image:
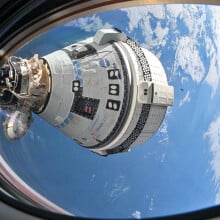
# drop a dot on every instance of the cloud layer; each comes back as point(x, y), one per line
point(136, 214)
point(89, 24)
point(213, 135)
point(185, 99)
point(190, 28)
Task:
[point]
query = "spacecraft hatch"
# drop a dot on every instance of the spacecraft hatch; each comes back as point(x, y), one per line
point(106, 93)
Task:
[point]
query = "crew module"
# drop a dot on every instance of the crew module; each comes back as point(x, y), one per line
point(106, 92)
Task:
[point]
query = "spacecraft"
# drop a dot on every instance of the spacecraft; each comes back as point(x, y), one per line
point(106, 92)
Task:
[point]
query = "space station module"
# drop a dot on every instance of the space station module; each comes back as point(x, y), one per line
point(106, 93)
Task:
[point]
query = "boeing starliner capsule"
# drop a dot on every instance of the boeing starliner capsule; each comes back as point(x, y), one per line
point(106, 92)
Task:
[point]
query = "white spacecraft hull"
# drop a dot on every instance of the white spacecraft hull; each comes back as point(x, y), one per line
point(115, 113)
point(106, 93)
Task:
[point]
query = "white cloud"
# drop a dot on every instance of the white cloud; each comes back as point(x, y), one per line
point(184, 79)
point(213, 134)
point(188, 58)
point(194, 18)
point(213, 50)
point(163, 128)
point(31, 134)
point(90, 23)
point(117, 191)
point(161, 34)
point(174, 10)
point(212, 78)
point(156, 37)
point(140, 17)
point(118, 188)
point(187, 55)
point(185, 99)
point(136, 214)
point(169, 110)
point(150, 199)
point(151, 204)
point(163, 133)
point(163, 156)
point(92, 178)
point(137, 14)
